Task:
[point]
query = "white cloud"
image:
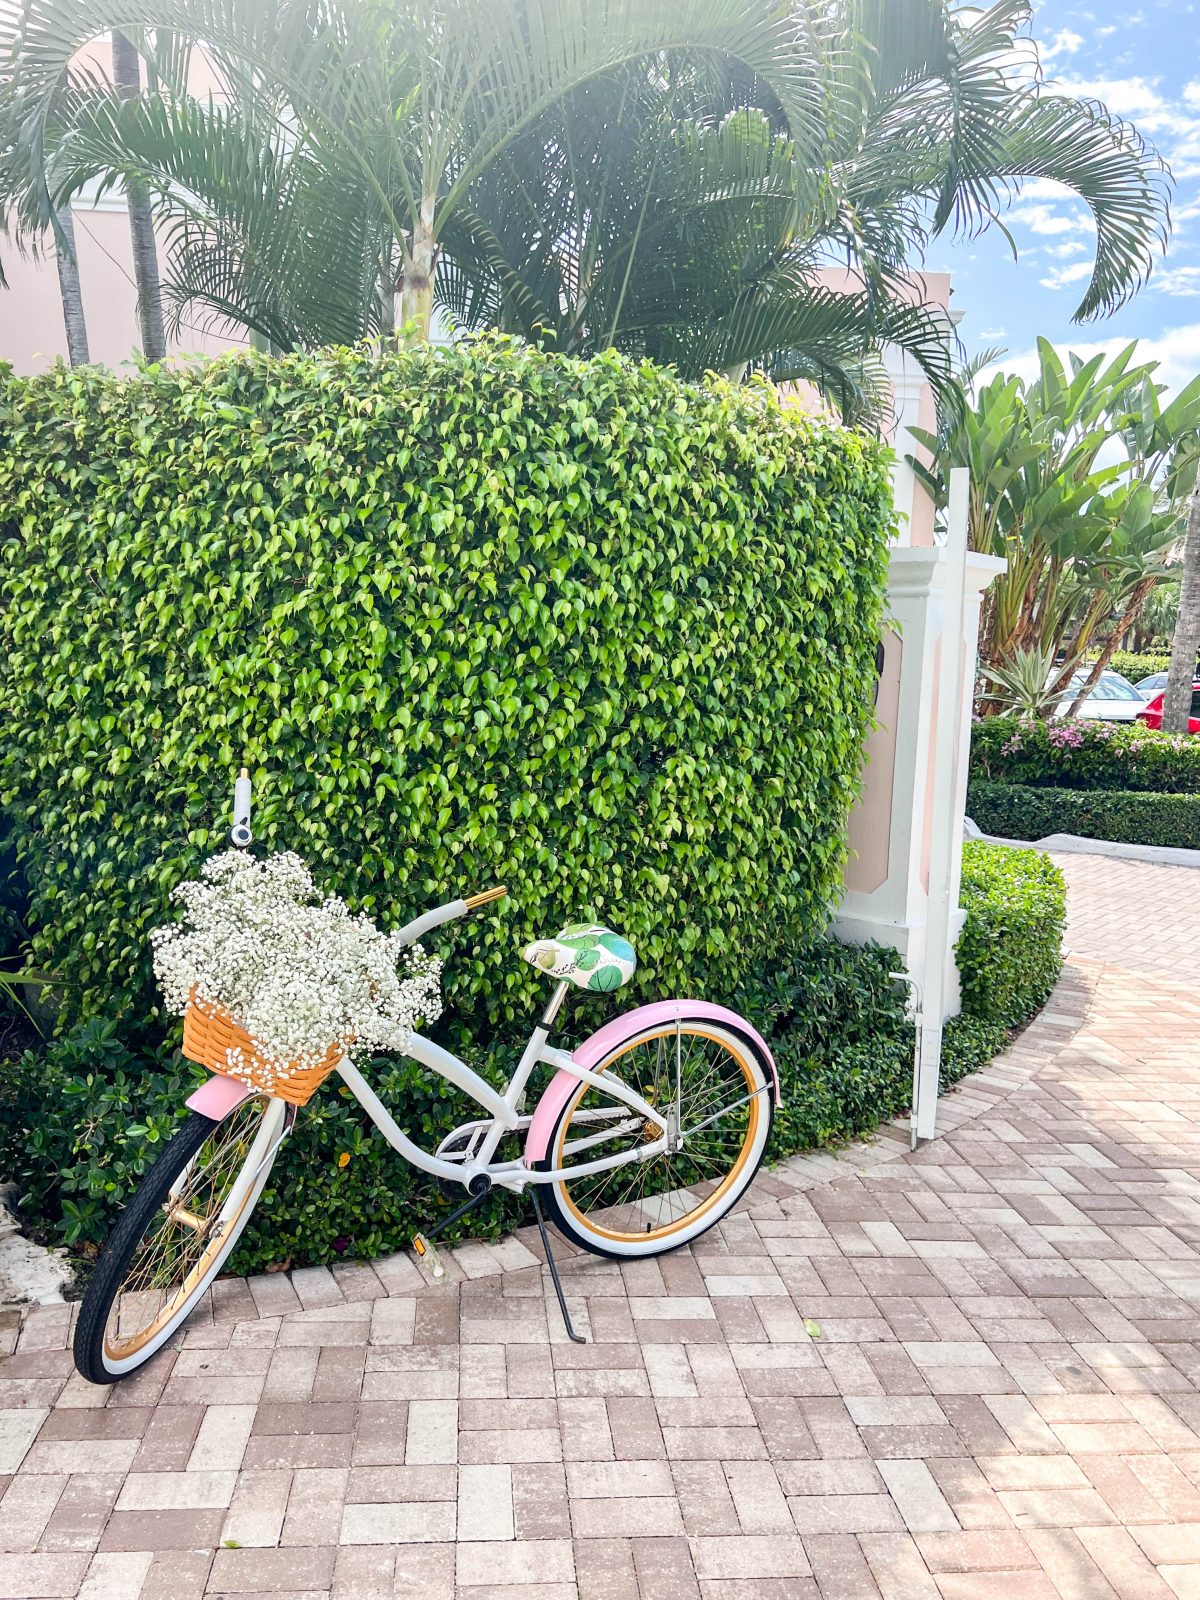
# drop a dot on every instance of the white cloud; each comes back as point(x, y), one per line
point(1069, 247)
point(1064, 43)
point(1060, 277)
point(1044, 219)
point(1045, 189)
point(991, 335)
point(1177, 351)
point(1191, 94)
point(1176, 281)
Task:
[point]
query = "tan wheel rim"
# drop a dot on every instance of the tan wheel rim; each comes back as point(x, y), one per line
point(184, 1240)
point(728, 1067)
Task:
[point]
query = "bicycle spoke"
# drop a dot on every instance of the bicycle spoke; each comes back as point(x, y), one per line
point(713, 1101)
point(185, 1232)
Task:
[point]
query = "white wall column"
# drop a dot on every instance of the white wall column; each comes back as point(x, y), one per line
point(886, 900)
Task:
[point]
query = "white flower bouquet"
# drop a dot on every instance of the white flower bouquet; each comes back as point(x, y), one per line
point(294, 969)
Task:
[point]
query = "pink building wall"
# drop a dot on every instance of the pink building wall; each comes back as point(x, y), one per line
point(31, 321)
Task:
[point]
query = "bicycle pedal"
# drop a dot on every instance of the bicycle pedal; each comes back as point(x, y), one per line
point(428, 1259)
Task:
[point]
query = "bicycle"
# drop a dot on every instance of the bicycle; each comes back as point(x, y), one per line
point(632, 1163)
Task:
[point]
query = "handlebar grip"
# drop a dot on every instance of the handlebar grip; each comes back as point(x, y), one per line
point(240, 834)
point(474, 901)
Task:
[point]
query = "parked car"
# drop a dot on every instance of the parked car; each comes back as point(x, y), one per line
point(1152, 715)
point(1149, 687)
point(1113, 698)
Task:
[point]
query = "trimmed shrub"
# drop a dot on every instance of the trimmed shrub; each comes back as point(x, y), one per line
point(1010, 949)
point(471, 616)
point(1084, 755)
point(1020, 811)
point(1136, 665)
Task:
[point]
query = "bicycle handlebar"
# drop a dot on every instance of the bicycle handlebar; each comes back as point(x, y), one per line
point(453, 909)
point(241, 836)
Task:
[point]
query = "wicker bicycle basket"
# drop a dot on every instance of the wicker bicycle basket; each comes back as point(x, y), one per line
point(210, 1033)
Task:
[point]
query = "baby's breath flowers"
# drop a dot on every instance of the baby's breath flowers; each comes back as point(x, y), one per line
point(295, 968)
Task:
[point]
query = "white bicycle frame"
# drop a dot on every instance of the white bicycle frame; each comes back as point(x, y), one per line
point(481, 1138)
point(484, 1136)
point(505, 1116)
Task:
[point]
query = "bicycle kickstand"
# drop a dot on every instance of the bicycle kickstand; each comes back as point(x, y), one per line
point(577, 1338)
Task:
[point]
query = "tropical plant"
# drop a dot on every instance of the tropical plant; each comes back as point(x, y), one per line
point(127, 82)
point(1155, 626)
point(1177, 700)
point(668, 176)
point(1085, 536)
point(1025, 684)
point(30, 217)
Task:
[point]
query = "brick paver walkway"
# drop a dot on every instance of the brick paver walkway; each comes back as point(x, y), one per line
point(968, 1372)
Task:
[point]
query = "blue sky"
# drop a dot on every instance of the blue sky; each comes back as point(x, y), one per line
point(1144, 64)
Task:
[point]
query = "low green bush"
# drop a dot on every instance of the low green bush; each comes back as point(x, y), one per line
point(1136, 665)
point(471, 615)
point(81, 1121)
point(1084, 755)
point(1021, 811)
point(1010, 949)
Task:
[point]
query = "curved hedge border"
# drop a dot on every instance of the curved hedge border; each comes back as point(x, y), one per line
point(471, 616)
point(1019, 811)
point(1010, 949)
point(1084, 755)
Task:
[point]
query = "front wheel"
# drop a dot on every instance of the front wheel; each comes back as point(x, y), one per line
point(174, 1236)
point(716, 1095)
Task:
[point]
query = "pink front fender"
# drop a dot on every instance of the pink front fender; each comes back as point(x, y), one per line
point(617, 1032)
point(217, 1097)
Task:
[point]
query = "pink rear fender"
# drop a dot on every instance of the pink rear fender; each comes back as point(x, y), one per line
point(217, 1097)
point(618, 1032)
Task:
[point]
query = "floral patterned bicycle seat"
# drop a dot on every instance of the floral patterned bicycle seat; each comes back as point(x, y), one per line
point(585, 954)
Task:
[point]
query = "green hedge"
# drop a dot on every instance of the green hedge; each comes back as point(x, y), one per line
point(471, 616)
point(1019, 811)
point(1084, 755)
point(80, 1123)
point(1010, 949)
point(1136, 665)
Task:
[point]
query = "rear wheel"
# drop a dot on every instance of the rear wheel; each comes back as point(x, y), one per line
point(715, 1093)
point(174, 1236)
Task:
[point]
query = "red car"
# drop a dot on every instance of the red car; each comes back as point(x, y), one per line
point(1152, 715)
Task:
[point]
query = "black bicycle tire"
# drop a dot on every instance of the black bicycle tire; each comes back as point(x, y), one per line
point(110, 1269)
point(563, 1223)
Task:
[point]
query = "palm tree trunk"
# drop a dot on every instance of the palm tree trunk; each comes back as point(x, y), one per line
point(1177, 702)
point(68, 286)
point(127, 80)
point(416, 286)
point(1130, 615)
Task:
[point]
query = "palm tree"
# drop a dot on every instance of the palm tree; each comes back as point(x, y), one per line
point(127, 82)
point(69, 288)
point(664, 175)
point(1177, 701)
point(29, 216)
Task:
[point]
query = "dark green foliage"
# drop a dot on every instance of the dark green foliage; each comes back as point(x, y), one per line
point(835, 1022)
point(1084, 755)
point(1135, 665)
point(82, 1120)
point(1010, 950)
point(470, 616)
point(1015, 811)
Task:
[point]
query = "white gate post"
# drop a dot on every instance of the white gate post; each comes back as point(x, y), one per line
point(946, 831)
